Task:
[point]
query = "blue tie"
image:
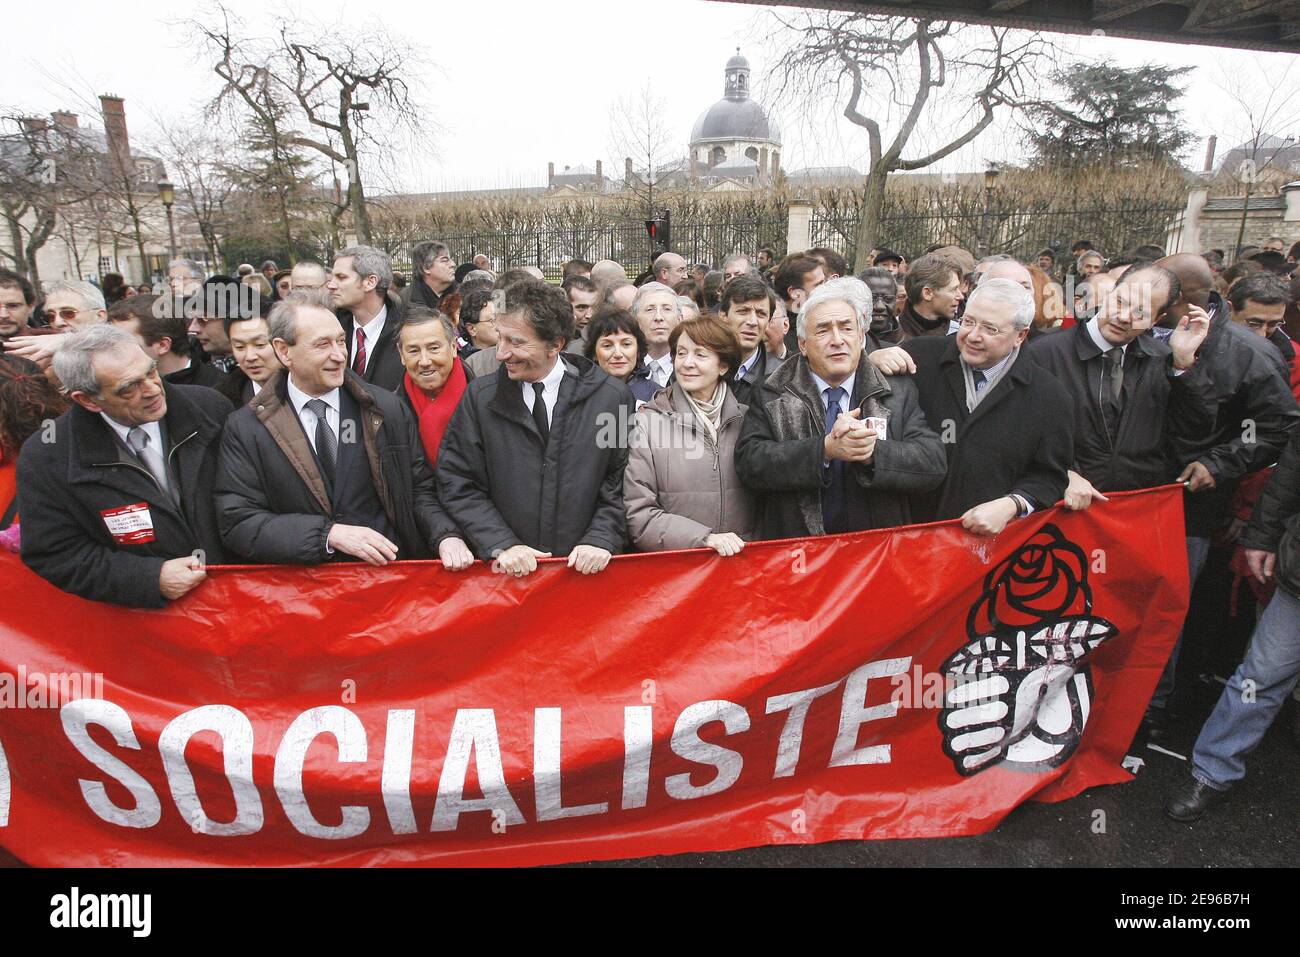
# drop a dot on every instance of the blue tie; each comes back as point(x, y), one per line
point(833, 498)
point(980, 380)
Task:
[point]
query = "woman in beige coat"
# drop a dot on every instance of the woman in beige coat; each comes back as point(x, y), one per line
point(680, 487)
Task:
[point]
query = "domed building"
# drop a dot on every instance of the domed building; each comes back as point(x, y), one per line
point(735, 138)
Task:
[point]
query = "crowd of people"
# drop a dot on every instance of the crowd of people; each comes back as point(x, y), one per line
point(331, 413)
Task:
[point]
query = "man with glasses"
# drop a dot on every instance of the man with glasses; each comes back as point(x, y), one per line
point(116, 500)
point(72, 304)
point(1007, 426)
point(1258, 302)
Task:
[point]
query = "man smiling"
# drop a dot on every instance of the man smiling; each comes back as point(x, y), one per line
point(528, 467)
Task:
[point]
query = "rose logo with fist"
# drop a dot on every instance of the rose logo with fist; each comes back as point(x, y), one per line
point(1020, 691)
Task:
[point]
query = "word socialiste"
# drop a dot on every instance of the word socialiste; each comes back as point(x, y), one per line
point(473, 735)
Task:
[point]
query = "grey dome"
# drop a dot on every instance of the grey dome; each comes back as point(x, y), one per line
point(737, 62)
point(735, 119)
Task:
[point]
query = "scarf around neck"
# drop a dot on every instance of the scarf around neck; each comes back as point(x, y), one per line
point(434, 414)
point(709, 413)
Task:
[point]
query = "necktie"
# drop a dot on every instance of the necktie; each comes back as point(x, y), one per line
point(539, 412)
point(833, 500)
point(359, 360)
point(327, 443)
point(981, 380)
point(1112, 389)
point(139, 442)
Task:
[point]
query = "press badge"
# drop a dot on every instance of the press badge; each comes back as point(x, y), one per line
point(130, 524)
point(879, 424)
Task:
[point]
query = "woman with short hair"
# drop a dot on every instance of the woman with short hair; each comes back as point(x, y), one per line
point(616, 343)
point(680, 488)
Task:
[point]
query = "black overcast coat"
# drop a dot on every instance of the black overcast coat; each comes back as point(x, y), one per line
point(780, 453)
point(1254, 413)
point(65, 485)
point(503, 488)
point(384, 366)
point(1158, 408)
point(1019, 438)
point(1275, 523)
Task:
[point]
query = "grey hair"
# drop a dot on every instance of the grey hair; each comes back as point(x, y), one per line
point(478, 275)
point(74, 363)
point(686, 302)
point(190, 266)
point(423, 254)
point(309, 264)
point(282, 320)
point(90, 296)
point(369, 261)
point(735, 258)
point(662, 262)
point(1008, 292)
point(1087, 254)
point(847, 289)
point(653, 287)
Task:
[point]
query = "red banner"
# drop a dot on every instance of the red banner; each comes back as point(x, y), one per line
point(914, 682)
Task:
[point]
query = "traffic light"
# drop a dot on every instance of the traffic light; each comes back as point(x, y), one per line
point(660, 231)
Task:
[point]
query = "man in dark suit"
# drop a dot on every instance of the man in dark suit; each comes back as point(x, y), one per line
point(117, 507)
point(532, 462)
point(747, 304)
point(1134, 395)
point(321, 466)
point(1007, 426)
point(829, 443)
point(369, 313)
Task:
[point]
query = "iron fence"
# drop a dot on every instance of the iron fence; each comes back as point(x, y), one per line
point(624, 242)
point(1019, 232)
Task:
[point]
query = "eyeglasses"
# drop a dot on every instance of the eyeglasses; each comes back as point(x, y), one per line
point(986, 328)
point(67, 313)
point(1270, 325)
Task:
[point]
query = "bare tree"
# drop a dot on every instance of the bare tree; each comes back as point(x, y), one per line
point(352, 92)
point(46, 172)
point(639, 132)
point(903, 76)
point(1265, 121)
point(202, 185)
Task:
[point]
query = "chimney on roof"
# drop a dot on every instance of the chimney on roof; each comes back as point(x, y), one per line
point(627, 169)
point(600, 176)
point(34, 124)
point(1210, 145)
point(64, 119)
point(119, 146)
point(550, 175)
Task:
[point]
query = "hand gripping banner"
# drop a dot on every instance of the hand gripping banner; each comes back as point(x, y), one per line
point(913, 682)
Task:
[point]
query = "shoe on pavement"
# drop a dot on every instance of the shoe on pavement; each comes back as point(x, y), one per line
point(1192, 801)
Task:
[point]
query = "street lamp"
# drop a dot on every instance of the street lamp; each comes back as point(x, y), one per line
point(990, 184)
point(167, 193)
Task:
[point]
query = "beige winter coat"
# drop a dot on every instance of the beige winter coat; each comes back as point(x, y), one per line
point(679, 487)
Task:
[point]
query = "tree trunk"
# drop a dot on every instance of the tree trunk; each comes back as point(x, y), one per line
point(16, 238)
point(873, 205)
point(1241, 230)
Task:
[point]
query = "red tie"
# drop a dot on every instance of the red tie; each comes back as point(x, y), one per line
point(359, 360)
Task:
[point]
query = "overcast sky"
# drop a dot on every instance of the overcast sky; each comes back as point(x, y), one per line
point(513, 85)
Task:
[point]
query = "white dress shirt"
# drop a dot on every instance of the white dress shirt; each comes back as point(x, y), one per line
point(307, 417)
point(748, 363)
point(550, 389)
point(661, 369)
point(371, 331)
point(151, 429)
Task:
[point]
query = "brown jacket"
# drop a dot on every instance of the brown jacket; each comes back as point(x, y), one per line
point(679, 487)
point(272, 502)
